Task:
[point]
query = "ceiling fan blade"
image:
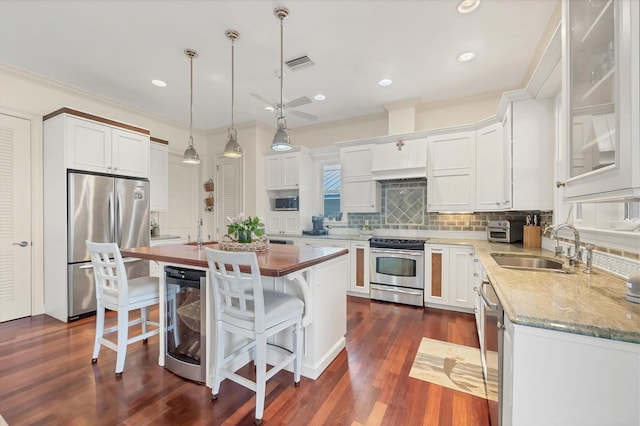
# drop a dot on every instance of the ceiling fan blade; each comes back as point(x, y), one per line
point(304, 115)
point(302, 100)
point(260, 98)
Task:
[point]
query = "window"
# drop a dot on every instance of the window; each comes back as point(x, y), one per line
point(331, 191)
point(632, 211)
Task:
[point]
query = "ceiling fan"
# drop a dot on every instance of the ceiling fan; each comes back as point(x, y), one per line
point(303, 100)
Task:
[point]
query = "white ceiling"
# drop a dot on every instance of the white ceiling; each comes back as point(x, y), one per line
point(115, 49)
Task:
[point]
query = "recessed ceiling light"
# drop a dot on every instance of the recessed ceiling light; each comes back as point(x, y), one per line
point(159, 83)
point(269, 108)
point(467, 6)
point(319, 97)
point(385, 82)
point(466, 56)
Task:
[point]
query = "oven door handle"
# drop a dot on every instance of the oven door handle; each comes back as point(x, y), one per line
point(397, 290)
point(491, 306)
point(414, 253)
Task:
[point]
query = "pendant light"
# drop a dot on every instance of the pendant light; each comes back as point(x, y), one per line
point(232, 149)
point(281, 140)
point(190, 154)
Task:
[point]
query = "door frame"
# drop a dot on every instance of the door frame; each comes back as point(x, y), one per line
point(37, 207)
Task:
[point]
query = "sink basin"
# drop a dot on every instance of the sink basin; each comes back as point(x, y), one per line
point(528, 262)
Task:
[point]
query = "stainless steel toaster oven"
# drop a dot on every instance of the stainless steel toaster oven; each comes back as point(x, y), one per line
point(504, 231)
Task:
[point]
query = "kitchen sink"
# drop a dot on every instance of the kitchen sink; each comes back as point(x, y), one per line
point(528, 262)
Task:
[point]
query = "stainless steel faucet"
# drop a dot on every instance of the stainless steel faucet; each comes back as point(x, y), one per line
point(198, 237)
point(575, 258)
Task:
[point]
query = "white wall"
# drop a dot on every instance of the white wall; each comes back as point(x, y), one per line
point(33, 97)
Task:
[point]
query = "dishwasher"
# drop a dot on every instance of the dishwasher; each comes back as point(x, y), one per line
point(185, 314)
point(493, 349)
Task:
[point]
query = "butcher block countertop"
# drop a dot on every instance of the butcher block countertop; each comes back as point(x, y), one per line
point(588, 304)
point(278, 261)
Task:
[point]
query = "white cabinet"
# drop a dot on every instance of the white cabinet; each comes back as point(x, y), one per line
point(97, 147)
point(601, 87)
point(531, 138)
point(283, 171)
point(401, 159)
point(449, 277)
point(159, 176)
point(578, 379)
point(360, 193)
point(451, 181)
point(283, 223)
point(359, 253)
point(492, 189)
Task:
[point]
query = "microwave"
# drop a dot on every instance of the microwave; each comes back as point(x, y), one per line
point(286, 204)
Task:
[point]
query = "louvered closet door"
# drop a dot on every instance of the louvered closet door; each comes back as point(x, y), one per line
point(15, 218)
point(229, 190)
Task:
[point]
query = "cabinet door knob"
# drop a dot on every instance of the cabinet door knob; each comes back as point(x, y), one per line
point(559, 184)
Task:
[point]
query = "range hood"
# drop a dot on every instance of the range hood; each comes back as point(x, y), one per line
point(402, 159)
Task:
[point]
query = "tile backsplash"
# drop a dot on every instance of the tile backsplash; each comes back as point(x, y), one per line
point(404, 207)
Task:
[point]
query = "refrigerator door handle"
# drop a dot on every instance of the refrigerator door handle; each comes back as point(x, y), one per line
point(111, 218)
point(118, 227)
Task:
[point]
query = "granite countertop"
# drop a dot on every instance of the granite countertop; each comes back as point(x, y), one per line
point(588, 304)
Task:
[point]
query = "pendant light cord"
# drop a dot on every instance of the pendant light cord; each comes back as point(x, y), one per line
point(233, 44)
point(281, 67)
point(191, 100)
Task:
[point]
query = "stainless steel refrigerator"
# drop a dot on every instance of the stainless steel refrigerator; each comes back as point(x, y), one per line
point(102, 208)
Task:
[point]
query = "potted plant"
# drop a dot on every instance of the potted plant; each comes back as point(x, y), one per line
point(242, 229)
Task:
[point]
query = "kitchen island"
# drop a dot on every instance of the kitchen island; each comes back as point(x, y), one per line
point(318, 275)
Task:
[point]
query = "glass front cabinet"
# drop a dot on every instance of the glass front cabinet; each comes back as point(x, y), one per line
point(601, 46)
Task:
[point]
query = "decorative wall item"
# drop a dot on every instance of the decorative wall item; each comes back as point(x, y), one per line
point(209, 187)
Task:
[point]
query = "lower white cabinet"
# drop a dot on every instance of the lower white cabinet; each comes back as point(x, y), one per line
point(282, 223)
point(478, 306)
point(552, 377)
point(449, 277)
point(359, 283)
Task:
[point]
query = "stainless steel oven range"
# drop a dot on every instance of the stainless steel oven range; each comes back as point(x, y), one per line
point(397, 270)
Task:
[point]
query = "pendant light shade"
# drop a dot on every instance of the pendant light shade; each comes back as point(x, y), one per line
point(190, 154)
point(232, 149)
point(281, 140)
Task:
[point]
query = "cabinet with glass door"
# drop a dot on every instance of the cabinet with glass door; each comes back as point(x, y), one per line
point(600, 95)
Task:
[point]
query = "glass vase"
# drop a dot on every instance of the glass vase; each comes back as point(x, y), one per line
point(244, 236)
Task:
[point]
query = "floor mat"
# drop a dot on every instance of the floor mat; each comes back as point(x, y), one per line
point(452, 366)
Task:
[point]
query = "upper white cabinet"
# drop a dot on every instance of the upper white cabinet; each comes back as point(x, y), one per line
point(402, 159)
point(451, 172)
point(159, 176)
point(97, 147)
point(531, 139)
point(288, 175)
point(283, 171)
point(360, 193)
point(493, 190)
point(601, 87)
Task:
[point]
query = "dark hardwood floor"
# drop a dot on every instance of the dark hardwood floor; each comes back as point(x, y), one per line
point(46, 377)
